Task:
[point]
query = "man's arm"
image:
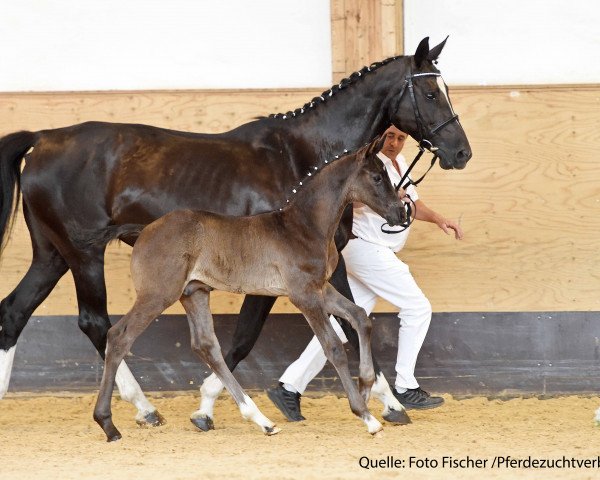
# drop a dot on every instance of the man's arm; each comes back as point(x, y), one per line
point(428, 215)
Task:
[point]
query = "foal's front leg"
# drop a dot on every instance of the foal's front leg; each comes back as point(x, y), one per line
point(393, 410)
point(206, 345)
point(251, 320)
point(337, 304)
point(312, 306)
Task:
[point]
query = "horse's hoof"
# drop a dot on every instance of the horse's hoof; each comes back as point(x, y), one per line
point(203, 423)
point(398, 417)
point(114, 437)
point(151, 419)
point(274, 430)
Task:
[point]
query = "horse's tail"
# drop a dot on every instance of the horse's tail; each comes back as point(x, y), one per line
point(13, 148)
point(106, 235)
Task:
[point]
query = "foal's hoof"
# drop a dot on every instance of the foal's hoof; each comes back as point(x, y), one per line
point(151, 419)
point(274, 430)
point(399, 417)
point(203, 423)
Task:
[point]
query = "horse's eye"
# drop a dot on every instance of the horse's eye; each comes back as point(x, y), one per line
point(377, 178)
point(430, 96)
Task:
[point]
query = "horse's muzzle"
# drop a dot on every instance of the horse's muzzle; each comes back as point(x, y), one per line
point(457, 161)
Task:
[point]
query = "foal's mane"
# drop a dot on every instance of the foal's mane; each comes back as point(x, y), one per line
point(343, 84)
point(316, 169)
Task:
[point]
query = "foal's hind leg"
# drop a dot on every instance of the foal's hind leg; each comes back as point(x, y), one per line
point(251, 320)
point(393, 410)
point(315, 312)
point(119, 340)
point(206, 346)
point(88, 273)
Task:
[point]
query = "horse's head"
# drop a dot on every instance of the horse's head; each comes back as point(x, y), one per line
point(372, 185)
point(424, 110)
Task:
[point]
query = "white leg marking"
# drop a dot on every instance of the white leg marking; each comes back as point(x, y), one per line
point(373, 424)
point(381, 391)
point(131, 392)
point(251, 412)
point(209, 391)
point(6, 363)
point(597, 417)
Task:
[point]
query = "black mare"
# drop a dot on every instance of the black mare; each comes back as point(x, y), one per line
point(88, 176)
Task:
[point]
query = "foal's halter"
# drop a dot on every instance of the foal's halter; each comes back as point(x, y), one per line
point(424, 144)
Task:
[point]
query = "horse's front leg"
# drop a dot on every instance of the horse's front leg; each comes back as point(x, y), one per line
point(251, 320)
point(393, 410)
point(311, 304)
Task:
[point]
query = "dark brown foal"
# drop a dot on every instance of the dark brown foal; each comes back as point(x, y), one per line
point(186, 254)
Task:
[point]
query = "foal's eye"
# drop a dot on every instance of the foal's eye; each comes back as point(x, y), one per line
point(430, 96)
point(377, 178)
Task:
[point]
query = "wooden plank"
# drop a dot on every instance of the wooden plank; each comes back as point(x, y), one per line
point(362, 33)
point(390, 28)
point(400, 27)
point(529, 200)
point(338, 39)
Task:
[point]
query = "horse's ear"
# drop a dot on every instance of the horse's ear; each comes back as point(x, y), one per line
point(422, 52)
point(434, 53)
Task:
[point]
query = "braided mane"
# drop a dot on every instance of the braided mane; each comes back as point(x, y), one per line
point(344, 83)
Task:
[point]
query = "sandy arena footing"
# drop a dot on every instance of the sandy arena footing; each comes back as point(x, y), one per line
point(46, 437)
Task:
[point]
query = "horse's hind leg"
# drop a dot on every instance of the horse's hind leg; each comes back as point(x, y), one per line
point(206, 345)
point(393, 410)
point(46, 269)
point(251, 320)
point(119, 340)
point(88, 273)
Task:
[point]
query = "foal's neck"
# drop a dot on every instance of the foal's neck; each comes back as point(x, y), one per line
point(319, 204)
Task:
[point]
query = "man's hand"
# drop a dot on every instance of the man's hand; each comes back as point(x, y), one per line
point(447, 225)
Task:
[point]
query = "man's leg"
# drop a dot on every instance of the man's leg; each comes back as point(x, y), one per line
point(293, 382)
point(383, 273)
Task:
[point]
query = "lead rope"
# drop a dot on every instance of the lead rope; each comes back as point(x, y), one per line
point(411, 207)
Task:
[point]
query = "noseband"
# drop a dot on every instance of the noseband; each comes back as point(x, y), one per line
point(424, 144)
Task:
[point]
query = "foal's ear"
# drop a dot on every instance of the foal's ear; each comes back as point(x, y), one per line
point(375, 146)
point(434, 53)
point(422, 51)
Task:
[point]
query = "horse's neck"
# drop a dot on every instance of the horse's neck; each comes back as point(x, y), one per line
point(350, 117)
point(320, 203)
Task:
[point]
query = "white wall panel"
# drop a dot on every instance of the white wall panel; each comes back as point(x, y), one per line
point(505, 42)
point(163, 44)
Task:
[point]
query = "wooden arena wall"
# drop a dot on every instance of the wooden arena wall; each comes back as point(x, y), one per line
point(529, 200)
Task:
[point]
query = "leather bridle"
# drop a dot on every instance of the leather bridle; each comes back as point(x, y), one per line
point(424, 144)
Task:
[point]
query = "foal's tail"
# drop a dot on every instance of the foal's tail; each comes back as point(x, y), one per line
point(13, 148)
point(106, 235)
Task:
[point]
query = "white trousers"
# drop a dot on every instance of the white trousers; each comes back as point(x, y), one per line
point(374, 271)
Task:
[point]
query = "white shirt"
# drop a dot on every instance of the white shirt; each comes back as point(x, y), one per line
point(367, 224)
